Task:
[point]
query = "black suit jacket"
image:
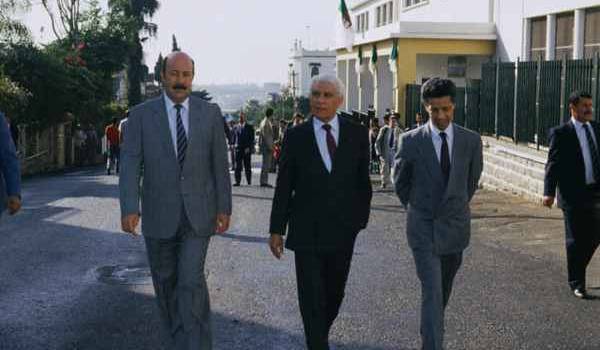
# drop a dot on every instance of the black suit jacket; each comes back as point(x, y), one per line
point(245, 136)
point(322, 211)
point(565, 168)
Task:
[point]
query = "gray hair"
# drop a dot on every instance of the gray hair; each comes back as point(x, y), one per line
point(329, 79)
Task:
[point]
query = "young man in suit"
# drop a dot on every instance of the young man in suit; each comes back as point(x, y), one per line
point(322, 199)
point(244, 148)
point(574, 168)
point(437, 170)
point(186, 198)
point(10, 175)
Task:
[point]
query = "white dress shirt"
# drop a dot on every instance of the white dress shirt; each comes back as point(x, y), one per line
point(585, 149)
point(172, 115)
point(437, 139)
point(321, 136)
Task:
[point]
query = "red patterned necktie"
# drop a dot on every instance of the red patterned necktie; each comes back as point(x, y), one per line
point(331, 145)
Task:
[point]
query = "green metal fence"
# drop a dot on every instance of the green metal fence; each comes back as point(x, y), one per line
point(520, 100)
point(526, 121)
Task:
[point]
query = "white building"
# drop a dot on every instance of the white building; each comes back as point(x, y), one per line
point(549, 29)
point(402, 42)
point(305, 64)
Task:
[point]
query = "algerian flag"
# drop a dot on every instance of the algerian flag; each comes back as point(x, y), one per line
point(345, 32)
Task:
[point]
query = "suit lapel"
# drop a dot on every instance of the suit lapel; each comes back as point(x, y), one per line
point(573, 136)
point(433, 165)
point(458, 149)
point(316, 153)
point(161, 121)
point(342, 145)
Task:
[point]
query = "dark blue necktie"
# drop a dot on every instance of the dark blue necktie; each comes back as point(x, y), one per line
point(445, 158)
point(391, 138)
point(181, 137)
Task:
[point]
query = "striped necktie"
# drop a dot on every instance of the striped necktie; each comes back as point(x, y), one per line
point(593, 153)
point(181, 137)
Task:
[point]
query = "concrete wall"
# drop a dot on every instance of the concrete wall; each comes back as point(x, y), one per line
point(513, 168)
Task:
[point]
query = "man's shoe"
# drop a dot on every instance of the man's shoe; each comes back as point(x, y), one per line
point(581, 293)
point(236, 185)
point(107, 172)
point(266, 185)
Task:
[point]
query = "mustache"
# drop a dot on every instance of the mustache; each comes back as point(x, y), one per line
point(179, 87)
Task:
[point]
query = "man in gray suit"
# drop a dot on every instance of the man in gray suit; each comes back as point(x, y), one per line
point(437, 171)
point(385, 146)
point(266, 147)
point(186, 196)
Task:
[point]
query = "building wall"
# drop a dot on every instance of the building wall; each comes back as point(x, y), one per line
point(301, 64)
point(479, 11)
point(510, 18)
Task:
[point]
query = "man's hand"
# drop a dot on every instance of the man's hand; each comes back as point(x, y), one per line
point(13, 205)
point(276, 245)
point(129, 223)
point(548, 201)
point(222, 223)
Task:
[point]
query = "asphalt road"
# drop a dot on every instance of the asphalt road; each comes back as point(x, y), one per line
point(69, 279)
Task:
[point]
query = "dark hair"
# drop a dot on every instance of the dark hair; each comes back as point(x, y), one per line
point(115, 120)
point(386, 117)
point(269, 112)
point(164, 65)
point(299, 115)
point(438, 87)
point(576, 96)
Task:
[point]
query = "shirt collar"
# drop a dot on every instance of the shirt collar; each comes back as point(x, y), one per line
point(335, 123)
point(577, 123)
point(171, 105)
point(449, 130)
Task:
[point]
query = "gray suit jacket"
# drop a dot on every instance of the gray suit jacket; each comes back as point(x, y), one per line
point(202, 188)
point(438, 218)
point(382, 143)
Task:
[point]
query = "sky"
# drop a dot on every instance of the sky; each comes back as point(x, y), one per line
point(231, 41)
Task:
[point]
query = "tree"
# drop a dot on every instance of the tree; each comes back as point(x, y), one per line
point(175, 47)
point(133, 14)
point(12, 30)
point(158, 68)
point(69, 13)
point(253, 110)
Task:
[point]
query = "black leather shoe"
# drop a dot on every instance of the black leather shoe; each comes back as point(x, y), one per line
point(236, 185)
point(266, 185)
point(581, 293)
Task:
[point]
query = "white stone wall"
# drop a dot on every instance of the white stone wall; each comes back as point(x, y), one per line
point(513, 168)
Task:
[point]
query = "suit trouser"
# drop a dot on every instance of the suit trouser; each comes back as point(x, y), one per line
point(582, 237)
point(113, 158)
point(436, 273)
point(385, 171)
point(242, 160)
point(321, 279)
point(177, 266)
point(267, 161)
point(232, 155)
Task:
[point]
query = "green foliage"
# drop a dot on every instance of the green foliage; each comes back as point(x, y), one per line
point(13, 98)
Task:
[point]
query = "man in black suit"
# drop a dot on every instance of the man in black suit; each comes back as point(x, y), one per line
point(574, 167)
point(243, 151)
point(322, 197)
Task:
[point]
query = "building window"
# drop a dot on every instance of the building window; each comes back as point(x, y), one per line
point(384, 14)
point(366, 20)
point(457, 66)
point(538, 38)
point(390, 12)
point(564, 35)
point(357, 22)
point(592, 32)
point(378, 16)
point(409, 3)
